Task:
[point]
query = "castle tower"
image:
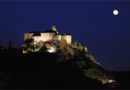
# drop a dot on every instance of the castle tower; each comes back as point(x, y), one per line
point(54, 28)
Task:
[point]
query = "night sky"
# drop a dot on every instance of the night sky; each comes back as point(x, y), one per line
point(90, 22)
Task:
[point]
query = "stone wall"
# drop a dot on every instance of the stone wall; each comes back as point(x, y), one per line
point(57, 37)
point(27, 36)
point(48, 36)
point(68, 38)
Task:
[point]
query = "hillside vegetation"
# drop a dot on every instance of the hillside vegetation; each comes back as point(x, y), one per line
point(68, 66)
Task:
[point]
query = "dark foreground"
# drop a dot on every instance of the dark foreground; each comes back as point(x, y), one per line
point(41, 71)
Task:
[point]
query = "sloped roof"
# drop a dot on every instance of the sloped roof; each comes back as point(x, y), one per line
point(50, 31)
point(37, 33)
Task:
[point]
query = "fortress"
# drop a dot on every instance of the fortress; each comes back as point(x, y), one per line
point(47, 35)
point(38, 38)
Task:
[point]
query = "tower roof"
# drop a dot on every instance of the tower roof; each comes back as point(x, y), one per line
point(53, 28)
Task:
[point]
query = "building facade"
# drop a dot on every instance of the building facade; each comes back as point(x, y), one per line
point(48, 35)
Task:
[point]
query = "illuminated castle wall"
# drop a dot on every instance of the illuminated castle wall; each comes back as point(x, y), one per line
point(47, 36)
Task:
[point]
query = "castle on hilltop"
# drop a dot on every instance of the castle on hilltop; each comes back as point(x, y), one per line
point(38, 38)
point(47, 36)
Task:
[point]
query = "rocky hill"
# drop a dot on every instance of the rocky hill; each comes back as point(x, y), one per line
point(54, 65)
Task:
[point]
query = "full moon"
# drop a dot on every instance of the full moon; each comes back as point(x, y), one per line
point(115, 12)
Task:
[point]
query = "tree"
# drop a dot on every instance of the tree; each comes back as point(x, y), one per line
point(29, 44)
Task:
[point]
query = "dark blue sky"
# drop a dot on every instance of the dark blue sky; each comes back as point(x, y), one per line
point(90, 22)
